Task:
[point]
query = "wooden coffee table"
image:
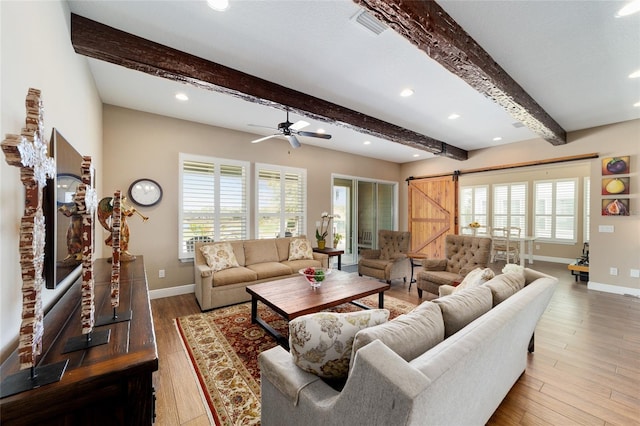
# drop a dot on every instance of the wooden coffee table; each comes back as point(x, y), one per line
point(293, 297)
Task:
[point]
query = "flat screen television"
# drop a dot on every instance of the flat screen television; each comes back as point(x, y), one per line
point(62, 256)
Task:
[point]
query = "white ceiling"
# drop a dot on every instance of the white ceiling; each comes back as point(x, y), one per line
point(572, 57)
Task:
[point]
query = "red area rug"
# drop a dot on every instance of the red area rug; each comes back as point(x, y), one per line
point(223, 347)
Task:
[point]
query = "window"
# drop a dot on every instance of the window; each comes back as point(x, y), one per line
point(555, 210)
point(587, 208)
point(213, 201)
point(510, 206)
point(473, 205)
point(281, 201)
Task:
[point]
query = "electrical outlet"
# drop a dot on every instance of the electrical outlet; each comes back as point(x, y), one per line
point(613, 271)
point(634, 273)
point(161, 273)
point(537, 246)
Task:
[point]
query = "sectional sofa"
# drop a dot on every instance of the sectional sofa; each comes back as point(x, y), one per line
point(448, 362)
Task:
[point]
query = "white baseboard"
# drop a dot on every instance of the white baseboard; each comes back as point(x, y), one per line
point(172, 291)
point(608, 288)
point(563, 260)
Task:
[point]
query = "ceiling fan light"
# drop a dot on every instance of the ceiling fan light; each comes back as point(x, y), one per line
point(406, 93)
point(218, 5)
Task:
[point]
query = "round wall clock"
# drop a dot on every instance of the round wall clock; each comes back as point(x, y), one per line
point(66, 187)
point(145, 192)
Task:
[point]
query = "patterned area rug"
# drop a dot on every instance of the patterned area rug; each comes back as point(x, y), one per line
point(223, 347)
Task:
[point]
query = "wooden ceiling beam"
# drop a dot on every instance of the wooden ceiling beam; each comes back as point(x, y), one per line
point(99, 41)
point(425, 24)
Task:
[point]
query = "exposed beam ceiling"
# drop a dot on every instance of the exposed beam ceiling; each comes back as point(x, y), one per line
point(425, 24)
point(105, 43)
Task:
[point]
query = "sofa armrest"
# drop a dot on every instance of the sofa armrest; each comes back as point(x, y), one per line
point(323, 258)
point(277, 366)
point(434, 264)
point(204, 284)
point(370, 254)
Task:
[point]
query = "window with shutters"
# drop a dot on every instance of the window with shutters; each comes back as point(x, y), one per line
point(473, 205)
point(281, 195)
point(213, 201)
point(510, 206)
point(587, 208)
point(555, 210)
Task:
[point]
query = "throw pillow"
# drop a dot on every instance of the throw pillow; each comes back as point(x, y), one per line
point(321, 343)
point(408, 335)
point(300, 248)
point(219, 256)
point(461, 308)
point(505, 285)
point(475, 278)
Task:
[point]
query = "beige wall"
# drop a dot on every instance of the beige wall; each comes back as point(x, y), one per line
point(138, 145)
point(36, 52)
point(620, 249)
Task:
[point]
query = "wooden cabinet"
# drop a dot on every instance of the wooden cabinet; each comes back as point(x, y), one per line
point(110, 384)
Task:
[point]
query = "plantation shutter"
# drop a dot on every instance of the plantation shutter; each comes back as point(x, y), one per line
point(555, 210)
point(281, 201)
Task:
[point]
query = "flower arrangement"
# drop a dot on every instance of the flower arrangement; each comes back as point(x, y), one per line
point(474, 225)
point(321, 234)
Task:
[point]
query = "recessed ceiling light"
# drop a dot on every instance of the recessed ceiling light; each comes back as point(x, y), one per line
point(453, 116)
point(629, 9)
point(218, 5)
point(497, 138)
point(366, 143)
point(416, 155)
point(406, 93)
point(637, 104)
point(182, 97)
point(320, 131)
point(635, 74)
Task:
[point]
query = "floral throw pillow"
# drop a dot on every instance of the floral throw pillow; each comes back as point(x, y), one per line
point(219, 256)
point(300, 248)
point(321, 343)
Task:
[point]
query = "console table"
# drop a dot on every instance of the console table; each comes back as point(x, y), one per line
point(110, 384)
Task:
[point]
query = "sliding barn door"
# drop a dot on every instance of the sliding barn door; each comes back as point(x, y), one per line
point(433, 209)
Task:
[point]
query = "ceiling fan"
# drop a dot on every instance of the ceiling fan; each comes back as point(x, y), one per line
point(290, 130)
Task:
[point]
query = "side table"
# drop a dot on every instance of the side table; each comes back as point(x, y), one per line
point(413, 256)
point(330, 251)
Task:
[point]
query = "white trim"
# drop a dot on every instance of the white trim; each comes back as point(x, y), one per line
point(172, 291)
point(564, 260)
point(615, 289)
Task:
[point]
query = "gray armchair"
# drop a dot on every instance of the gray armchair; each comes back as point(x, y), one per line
point(390, 261)
point(463, 254)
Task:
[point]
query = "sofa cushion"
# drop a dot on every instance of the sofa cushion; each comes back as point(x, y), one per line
point(300, 248)
point(408, 335)
point(260, 251)
point(461, 308)
point(219, 256)
point(504, 286)
point(475, 278)
point(270, 269)
point(321, 343)
point(237, 275)
point(296, 265)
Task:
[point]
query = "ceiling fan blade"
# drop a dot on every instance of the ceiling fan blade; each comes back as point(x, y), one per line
point(301, 124)
point(315, 135)
point(265, 138)
point(293, 141)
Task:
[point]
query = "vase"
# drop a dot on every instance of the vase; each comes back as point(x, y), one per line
point(321, 244)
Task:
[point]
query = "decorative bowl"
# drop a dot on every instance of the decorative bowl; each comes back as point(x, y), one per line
point(315, 276)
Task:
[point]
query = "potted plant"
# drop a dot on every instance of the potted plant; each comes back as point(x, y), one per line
point(321, 234)
point(337, 237)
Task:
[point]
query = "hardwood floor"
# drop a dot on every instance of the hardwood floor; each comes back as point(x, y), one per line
point(585, 369)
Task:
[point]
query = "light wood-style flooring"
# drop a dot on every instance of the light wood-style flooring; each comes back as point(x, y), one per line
point(585, 369)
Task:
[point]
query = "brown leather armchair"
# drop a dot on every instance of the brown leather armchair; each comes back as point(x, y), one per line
point(390, 261)
point(463, 254)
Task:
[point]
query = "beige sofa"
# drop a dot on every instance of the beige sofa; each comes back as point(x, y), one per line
point(259, 261)
point(468, 361)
